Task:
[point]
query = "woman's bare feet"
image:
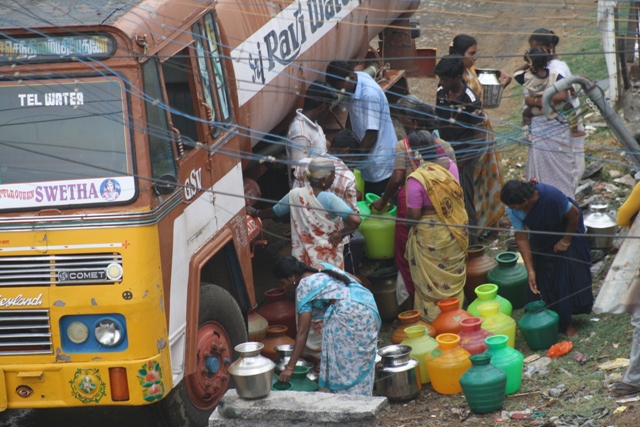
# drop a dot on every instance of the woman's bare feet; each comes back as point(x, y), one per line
point(571, 330)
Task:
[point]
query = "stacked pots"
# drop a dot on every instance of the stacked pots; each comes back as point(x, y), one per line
point(276, 336)
point(478, 266)
point(278, 310)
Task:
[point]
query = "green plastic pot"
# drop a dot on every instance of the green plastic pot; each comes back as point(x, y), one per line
point(539, 326)
point(512, 278)
point(484, 385)
point(511, 361)
point(299, 380)
point(489, 293)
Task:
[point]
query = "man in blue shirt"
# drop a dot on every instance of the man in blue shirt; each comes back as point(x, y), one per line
point(370, 120)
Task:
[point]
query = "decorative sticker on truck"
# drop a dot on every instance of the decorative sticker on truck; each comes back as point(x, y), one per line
point(72, 192)
point(268, 51)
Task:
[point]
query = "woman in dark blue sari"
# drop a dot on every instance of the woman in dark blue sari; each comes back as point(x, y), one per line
point(556, 252)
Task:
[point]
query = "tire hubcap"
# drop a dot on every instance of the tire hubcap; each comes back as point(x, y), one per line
point(210, 380)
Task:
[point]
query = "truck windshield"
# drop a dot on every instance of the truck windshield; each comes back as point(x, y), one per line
point(64, 142)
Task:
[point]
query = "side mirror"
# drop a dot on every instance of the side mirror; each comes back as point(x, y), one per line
point(165, 185)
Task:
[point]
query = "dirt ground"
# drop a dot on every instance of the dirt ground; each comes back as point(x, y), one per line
point(502, 29)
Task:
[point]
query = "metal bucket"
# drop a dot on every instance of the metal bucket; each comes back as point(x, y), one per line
point(491, 87)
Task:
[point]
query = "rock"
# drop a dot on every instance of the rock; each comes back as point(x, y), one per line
point(620, 238)
point(614, 174)
point(597, 268)
point(592, 169)
point(626, 180)
point(583, 190)
point(299, 409)
point(637, 176)
point(557, 391)
point(597, 255)
point(610, 188)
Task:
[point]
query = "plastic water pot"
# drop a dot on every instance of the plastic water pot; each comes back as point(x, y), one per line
point(511, 361)
point(488, 293)
point(539, 326)
point(410, 318)
point(446, 364)
point(359, 181)
point(448, 321)
point(379, 232)
point(512, 278)
point(497, 323)
point(421, 344)
point(478, 266)
point(371, 197)
point(472, 335)
point(484, 385)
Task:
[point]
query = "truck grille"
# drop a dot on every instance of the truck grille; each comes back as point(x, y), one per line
point(46, 270)
point(25, 332)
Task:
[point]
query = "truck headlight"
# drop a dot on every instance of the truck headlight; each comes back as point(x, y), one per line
point(108, 333)
point(77, 332)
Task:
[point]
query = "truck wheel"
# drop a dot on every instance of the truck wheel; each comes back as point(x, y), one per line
point(221, 328)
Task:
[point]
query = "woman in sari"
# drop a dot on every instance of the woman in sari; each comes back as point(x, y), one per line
point(556, 154)
point(319, 219)
point(413, 115)
point(350, 330)
point(438, 236)
point(488, 174)
point(557, 253)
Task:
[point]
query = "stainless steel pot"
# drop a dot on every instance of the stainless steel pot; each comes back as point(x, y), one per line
point(491, 87)
point(397, 374)
point(601, 228)
point(284, 353)
point(252, 373)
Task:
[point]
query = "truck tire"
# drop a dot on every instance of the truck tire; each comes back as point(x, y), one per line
point(220, 328)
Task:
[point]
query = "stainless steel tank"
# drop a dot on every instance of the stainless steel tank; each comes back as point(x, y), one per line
point(601, 227)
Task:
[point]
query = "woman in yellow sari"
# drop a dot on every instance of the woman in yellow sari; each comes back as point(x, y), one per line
point(488, 178)
point(438, 239)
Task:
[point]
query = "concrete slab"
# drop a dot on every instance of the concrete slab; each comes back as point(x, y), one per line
point(298, 409)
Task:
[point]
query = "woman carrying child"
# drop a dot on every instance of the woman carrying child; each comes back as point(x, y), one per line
point(536, 80)
point(556, 157)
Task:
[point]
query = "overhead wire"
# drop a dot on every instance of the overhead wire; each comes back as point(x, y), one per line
point(196, 118)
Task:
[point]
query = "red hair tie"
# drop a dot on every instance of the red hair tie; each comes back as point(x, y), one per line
point(534, 180)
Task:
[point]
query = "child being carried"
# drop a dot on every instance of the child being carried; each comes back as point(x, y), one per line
point(536, 80)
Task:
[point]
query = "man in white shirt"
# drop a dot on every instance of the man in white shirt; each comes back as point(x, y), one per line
point(305, 137)
point(370, 121)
